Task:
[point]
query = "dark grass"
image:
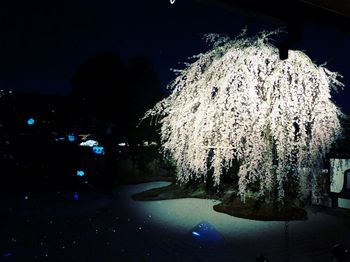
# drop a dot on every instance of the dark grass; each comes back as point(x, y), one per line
point(233, 206)
point(172, 191)
point(132, 179)
point(256, 210)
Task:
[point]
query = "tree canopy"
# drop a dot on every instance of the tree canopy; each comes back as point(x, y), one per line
point(239, 101)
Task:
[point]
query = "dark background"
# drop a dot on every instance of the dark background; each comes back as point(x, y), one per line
point(43, 42)
point(95, 67)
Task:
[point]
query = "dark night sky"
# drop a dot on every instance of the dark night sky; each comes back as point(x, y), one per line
point(42, 41)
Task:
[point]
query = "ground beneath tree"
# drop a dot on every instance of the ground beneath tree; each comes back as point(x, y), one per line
point(173, 191)
point(252, 209)
point(110, 226)
point(232, 206)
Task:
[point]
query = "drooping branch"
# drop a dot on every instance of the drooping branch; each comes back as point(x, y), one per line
point(239, 101)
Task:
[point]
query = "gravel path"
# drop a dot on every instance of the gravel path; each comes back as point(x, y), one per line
point(113, 227)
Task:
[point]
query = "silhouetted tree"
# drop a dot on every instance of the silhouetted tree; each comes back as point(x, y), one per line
point(145, 92)
point(96, 83)
point(111, 94)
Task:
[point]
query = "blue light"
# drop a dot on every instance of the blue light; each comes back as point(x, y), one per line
point(60, 139)
point(80, 173)
point(7, 254)
point(71, 137)
point(76, 197)
point(205, 235)
point(30, 121)
point(195, 233)
point(99, 150)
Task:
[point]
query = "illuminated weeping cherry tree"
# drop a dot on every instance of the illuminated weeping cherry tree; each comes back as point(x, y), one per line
point(240, 102)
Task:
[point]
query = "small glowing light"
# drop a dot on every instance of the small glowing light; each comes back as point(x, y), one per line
point(76, 197)
point(7, 254)
point(60, 139)
point(71, 137)
point(340, 252)
point(99, 150)
point(149, 143)
point(207, 234)
point(89, 143)
point(80, 173)
point(122, 144)
point(84, 137)
point(30, 121)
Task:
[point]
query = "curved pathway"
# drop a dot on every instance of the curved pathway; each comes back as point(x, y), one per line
point(113, 227)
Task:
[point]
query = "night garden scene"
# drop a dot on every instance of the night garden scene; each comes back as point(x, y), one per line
point(175, 130)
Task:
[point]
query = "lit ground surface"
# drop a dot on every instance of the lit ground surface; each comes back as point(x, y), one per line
point(113, 227)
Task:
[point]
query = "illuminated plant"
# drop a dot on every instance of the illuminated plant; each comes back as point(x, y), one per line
point(239, 101)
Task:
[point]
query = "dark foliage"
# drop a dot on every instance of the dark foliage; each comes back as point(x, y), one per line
point(113, 95)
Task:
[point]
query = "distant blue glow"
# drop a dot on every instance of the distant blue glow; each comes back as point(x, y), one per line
point(7, 254)
point(76, 197)
point(195, 233)
point(30, 121)
point(80, 173)
point(99, 150)
point(71, 137)
point(60, 139)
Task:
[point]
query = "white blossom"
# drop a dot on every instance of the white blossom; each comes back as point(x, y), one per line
point(239, 101)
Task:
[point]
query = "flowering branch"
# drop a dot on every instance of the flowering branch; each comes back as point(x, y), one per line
point(239, 101)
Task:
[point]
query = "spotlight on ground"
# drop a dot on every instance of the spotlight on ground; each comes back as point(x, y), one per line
point(205, 235)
